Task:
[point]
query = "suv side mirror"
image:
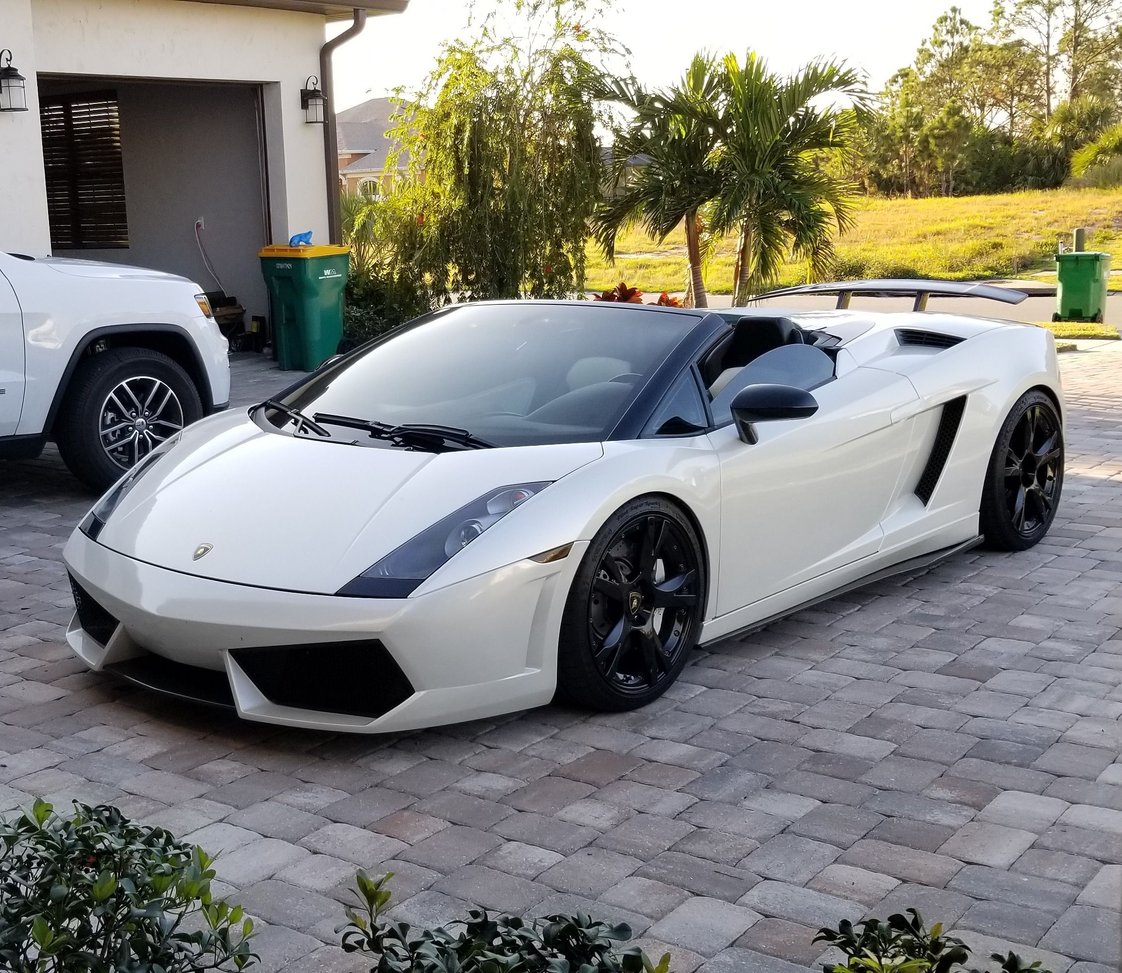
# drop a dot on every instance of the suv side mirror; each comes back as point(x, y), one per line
point(760, 403)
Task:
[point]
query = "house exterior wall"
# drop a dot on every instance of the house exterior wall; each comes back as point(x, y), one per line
point(23, 210)
point(168, 39)
point(354, 180)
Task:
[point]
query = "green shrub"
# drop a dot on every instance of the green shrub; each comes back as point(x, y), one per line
point(94, 893)
point(485, 944)
point(903, 944)
point(377, 302)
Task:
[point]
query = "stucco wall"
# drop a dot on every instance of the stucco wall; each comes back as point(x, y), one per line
point(23, 212)
point(167, 39)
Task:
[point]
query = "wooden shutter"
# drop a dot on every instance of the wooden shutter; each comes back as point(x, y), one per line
point(85, 177)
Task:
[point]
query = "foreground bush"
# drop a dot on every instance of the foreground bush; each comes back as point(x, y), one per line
point(903, 944)
point(485, 944)
point(94, 893)
point(376, 303)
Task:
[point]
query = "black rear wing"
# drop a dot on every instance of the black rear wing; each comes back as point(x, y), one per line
point(919, 290)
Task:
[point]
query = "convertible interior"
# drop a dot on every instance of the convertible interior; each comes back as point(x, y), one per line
point(759, 351)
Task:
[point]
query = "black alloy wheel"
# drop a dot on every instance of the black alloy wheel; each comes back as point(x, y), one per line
point(635, 610)
point(1026, 475)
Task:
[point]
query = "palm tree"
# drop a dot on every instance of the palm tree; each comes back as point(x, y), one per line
point(1107, 146)
point(662, 168)
point(773, 191)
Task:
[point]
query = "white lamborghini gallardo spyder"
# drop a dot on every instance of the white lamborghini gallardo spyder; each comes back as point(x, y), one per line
point(502, 503)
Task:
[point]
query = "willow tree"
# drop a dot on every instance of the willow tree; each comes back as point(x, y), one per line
point(501, 165)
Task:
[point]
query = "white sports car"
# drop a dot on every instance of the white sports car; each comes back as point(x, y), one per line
point(501, 503)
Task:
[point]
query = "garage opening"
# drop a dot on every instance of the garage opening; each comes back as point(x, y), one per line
point(133, 166)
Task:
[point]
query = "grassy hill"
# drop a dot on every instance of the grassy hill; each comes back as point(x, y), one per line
point(968, 238)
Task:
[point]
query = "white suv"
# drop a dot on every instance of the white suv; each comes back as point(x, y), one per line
point(108, 361)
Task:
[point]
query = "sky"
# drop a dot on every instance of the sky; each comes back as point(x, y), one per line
point(876, 35)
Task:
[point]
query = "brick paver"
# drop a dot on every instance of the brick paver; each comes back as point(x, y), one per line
point(949, 740)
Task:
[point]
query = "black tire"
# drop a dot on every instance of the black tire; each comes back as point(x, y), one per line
point(103, 428)
point(642, 585)
point(1025, 475)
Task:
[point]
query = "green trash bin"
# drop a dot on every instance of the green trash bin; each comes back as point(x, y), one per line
point(1082, 276)
point(306, 289)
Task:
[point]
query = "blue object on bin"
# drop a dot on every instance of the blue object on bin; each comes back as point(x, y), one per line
point(301, 239)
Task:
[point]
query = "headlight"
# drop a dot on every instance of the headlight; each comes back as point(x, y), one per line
point(402, 571)
point(95, 520)
point(204, 305)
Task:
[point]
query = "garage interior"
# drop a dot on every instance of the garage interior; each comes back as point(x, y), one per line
point(171, 176)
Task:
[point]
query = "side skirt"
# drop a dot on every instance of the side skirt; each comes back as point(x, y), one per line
point(909, 566)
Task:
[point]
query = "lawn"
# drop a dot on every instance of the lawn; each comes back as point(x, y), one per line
point(968, 238)
point(1078, 329)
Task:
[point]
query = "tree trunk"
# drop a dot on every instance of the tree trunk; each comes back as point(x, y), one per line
point(1048, 82)
point(693, 250)
point(743, 267)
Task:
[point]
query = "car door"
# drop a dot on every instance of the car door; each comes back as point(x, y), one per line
point(809, 496)
point(11, 358)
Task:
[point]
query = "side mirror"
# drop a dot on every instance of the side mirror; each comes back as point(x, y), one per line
point(761, 403)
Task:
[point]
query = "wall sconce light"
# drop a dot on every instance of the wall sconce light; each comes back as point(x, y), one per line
point(313, 101)
point(13, 95)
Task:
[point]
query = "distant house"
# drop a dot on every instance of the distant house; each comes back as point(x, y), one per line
point(363, 144)
point(147, 118)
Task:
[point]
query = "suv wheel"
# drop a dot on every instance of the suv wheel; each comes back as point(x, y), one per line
point(121, 405)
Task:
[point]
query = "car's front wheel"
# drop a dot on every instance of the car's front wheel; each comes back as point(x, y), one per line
point(1025, 475)
point(635, 609)
point(119, 406)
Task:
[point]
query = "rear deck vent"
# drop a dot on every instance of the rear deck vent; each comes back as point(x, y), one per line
point(928, 339)
point(949, 422)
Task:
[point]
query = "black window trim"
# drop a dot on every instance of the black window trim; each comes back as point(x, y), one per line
point(694, 343)
point(693, 372)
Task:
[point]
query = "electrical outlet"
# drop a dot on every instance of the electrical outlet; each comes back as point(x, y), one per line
point(200, 223)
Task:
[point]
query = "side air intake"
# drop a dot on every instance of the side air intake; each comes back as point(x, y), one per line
point(927, 339)
point(949, 422)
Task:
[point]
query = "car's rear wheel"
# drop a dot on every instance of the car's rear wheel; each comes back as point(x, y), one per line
point(119, 406)
point(1025, 475)
point(635, 609)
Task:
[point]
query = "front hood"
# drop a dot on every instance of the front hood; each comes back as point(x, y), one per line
point(99, 269)
point(304, 515)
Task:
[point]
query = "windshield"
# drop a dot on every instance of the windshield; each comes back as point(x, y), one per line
point(510, 374)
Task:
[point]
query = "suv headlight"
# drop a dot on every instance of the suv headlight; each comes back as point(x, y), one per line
point(94, 521)
point(403, 570)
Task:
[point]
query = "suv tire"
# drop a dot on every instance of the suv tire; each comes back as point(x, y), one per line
point(119, 406)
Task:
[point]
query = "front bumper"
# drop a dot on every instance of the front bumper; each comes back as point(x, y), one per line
point(485, 646)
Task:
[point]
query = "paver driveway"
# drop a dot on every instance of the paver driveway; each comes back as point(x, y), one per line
point(949, 741)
